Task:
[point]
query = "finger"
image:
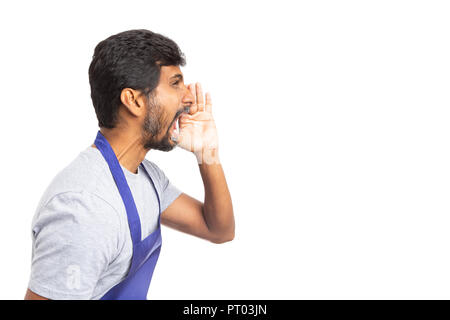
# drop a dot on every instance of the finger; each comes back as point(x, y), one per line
point(185, 119)
point(200, 101)
point(194, 107)
point(208, 103)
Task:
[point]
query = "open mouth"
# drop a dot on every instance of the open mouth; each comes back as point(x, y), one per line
point(175, 129)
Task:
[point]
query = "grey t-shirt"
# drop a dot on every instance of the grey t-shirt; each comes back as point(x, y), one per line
point(81, 241)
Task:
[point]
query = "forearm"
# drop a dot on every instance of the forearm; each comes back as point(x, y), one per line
point(217, 207)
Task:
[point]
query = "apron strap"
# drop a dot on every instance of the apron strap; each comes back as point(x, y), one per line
point(132, 214)
point(156, 190)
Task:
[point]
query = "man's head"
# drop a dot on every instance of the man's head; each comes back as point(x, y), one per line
point(136, 83)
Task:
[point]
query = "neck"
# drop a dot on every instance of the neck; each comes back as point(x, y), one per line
point(127, 146)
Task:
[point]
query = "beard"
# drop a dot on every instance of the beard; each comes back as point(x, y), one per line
point(153, 127)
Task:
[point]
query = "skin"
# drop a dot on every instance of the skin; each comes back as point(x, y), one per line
point(212, 219)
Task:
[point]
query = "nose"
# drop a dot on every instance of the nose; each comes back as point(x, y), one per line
point(188, 97)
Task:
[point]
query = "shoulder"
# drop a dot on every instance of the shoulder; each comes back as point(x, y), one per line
point(87, 176)
point(81, 210)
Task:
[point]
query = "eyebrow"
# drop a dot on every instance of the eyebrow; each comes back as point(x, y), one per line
point(177, 76)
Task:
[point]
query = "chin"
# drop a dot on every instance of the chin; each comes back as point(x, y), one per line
point(168, 147)
point(167, 144)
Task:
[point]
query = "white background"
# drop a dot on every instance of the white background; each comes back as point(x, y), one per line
point(333, 120)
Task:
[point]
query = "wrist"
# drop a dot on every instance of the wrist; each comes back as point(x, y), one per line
point(208, 156)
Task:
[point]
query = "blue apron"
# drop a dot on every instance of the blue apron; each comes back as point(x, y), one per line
point(145, 252)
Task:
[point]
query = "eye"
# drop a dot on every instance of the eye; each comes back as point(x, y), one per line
point(176, 83)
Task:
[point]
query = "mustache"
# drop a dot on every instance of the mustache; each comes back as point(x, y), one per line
point(180, 111)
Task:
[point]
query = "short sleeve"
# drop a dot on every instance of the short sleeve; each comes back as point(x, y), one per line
point(74, 239)
point(169, 192)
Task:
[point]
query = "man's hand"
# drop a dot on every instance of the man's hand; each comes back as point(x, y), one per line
point(213, 219)
point(198, 132)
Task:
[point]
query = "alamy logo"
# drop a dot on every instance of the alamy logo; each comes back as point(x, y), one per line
point(73, 276)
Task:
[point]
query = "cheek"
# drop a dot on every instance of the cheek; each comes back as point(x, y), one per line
point(165, 121)
point(170, 103)
point(170, 113)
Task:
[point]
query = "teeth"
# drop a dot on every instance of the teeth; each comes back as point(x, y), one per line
point(176, 132)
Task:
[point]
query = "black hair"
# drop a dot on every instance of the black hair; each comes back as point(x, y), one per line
point(130, 59)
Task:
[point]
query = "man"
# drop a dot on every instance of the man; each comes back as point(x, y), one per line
point(96, 232)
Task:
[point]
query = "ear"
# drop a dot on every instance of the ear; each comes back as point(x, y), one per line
point(133, 100)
